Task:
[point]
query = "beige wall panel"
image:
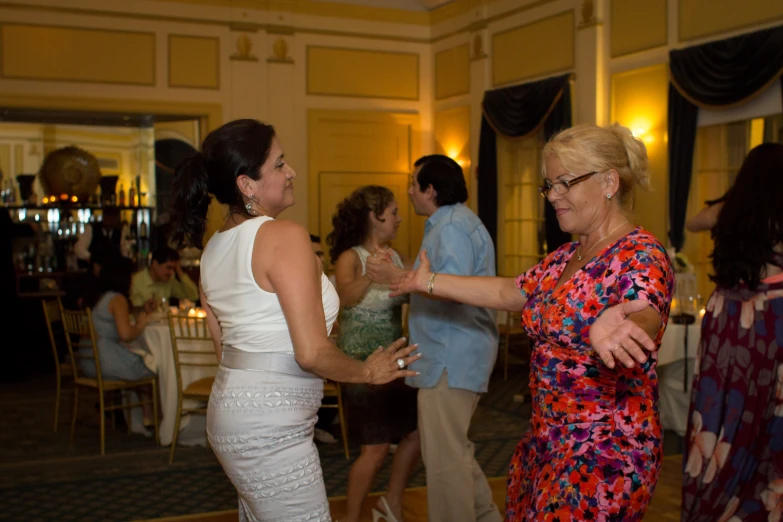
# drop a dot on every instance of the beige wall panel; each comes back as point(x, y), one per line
point(69, 54)
point(348, 149)
point(18, 159)
point(452, 72)
point(542, 47)
point(362, 74)
point(701, 18)
point(5, 160)
point(638, 26)
point(194, 61)
point(639, 101)
point(452, 137)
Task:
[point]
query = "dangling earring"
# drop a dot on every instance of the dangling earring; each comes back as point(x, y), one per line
point(249, 205)
point(608, 197)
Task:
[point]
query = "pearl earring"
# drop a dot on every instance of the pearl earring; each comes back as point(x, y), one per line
point(608, 197)
point(249, 205)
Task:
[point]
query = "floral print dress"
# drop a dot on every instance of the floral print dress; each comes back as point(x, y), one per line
point(734, 459)
point(594, 448)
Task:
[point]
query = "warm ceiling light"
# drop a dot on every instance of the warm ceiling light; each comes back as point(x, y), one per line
point(74, 199)
point(64, 197)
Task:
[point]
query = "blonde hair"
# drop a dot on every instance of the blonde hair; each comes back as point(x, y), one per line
point(586, 148)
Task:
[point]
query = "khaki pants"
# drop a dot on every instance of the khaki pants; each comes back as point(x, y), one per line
point(457, 490)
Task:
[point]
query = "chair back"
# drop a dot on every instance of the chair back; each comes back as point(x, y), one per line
point(51, 310)
point(185, 330)
point(77, 324)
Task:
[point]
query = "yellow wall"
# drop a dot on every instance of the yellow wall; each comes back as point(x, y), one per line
point(194, 62)
point(637, 26)
point(702, 18)
point(452, 136)
point(639, 101)
point(452, 72)
point(532, 49)
point(362, 74)
point(38, 52)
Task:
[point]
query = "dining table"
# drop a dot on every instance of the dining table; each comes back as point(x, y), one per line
point(675, 369)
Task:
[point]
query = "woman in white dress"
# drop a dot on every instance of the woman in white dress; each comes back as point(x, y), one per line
point(269, 309)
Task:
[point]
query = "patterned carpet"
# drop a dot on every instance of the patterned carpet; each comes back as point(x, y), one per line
point(43, 478)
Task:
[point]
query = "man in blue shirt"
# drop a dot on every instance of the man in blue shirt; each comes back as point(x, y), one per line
point(459, 344)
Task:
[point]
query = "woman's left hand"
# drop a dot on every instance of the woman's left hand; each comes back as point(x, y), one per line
point(615, 337)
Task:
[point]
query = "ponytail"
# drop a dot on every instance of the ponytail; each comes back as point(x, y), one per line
point(239, 147)
point(190, 201)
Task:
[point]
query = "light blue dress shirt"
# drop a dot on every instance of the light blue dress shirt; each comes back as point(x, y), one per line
point(455, 337)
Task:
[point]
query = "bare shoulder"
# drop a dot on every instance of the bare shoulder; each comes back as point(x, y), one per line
point(118, 303)
point(283, 234)
point(348, 258)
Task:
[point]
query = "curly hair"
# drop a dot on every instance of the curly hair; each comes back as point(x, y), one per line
point(350, 221)
point(750, 224)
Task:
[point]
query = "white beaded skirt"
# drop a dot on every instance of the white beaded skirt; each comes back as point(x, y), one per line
point(260, 426)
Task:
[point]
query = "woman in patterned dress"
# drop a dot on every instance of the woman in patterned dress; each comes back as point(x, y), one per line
point(365, 224)
point(594, 450)
point(734, 459)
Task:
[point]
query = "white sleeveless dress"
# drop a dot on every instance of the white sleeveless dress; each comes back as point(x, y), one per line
point(263, 406)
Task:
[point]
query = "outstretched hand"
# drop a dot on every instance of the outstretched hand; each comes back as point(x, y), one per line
point(615, 337)
point(413, 281)
point(383, 365)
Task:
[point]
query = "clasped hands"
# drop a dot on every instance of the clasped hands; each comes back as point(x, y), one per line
point(380, 268)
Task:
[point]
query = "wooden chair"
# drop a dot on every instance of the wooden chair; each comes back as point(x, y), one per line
point(332, 389)
point(51, 310)
point(189, 329)
point(79, 324)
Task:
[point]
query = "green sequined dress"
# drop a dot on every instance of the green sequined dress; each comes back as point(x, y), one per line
point(376, 414)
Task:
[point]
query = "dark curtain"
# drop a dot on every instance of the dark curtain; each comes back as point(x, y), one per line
point(715, 75)
point(516, 112)
point(488, 179)
point(683, 117)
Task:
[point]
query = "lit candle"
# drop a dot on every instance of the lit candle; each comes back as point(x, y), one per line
point(702, 312)
point(192, 312)
point(201, 313)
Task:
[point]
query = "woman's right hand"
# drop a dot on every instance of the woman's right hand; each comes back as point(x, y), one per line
point(414, 280)
point(382, 365)
point(142, 318)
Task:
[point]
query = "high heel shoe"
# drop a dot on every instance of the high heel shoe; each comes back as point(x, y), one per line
point(387, 517)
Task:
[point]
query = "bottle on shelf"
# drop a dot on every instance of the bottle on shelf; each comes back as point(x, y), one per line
point(132, 196)
point(143, 232)
point(121, 196)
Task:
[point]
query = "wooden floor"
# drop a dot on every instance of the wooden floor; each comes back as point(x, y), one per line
point(665, 505)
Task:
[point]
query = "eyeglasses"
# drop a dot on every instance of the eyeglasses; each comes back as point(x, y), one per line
point(561, 187)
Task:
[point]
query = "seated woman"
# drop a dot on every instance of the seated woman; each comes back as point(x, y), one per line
point(365, 224)
point(111, 316)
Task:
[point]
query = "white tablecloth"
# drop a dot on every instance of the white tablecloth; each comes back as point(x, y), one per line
point(673, 387)
point(155, 343)
point(673, 343)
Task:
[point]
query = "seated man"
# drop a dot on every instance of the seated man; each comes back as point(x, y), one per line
point(163, 278)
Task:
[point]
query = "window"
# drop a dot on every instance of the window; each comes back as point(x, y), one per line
point(521, 233)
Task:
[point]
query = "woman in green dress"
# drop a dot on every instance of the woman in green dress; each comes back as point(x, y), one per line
point(364, 225)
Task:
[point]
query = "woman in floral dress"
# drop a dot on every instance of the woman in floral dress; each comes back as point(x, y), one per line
point(734, 460)
point(593, 451)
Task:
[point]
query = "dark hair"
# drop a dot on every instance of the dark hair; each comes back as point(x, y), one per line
point(165, 254)
point(116, 275)
point(750, 224)
point(315, 239)
point(351, 220)
point(446, 177)
point(238, 147)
